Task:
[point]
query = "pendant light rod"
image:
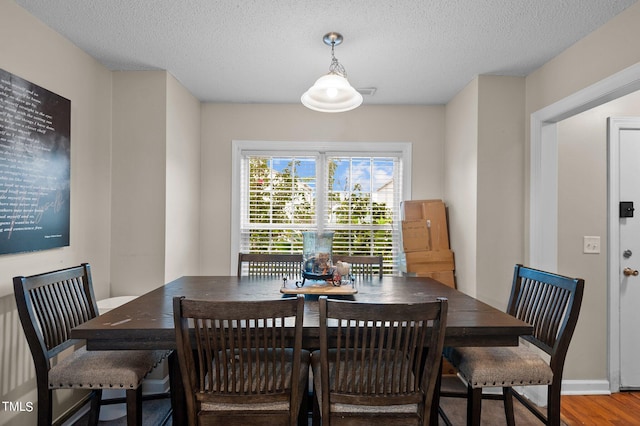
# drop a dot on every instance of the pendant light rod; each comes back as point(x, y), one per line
point(334, 39)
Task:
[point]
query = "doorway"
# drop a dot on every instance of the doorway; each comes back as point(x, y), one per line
point(543, 192)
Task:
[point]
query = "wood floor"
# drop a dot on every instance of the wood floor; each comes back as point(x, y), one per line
point(618, 409)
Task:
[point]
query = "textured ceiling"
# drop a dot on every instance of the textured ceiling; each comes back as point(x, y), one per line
point(260, 51)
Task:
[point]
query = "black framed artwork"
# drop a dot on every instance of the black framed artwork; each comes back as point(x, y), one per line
point(35, 175)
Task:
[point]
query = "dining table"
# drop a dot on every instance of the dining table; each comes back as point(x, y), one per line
point(147, 321)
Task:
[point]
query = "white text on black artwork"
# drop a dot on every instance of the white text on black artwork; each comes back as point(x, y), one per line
point(34, 166)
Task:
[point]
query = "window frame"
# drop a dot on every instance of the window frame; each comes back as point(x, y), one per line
point(240, 147)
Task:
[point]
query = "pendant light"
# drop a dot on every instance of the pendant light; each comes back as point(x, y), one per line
point(332, 92)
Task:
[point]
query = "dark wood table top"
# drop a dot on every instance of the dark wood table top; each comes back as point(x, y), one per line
point(147, 322)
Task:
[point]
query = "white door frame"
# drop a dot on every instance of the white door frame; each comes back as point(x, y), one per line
point(543, 191)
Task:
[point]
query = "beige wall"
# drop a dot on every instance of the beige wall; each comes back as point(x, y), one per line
point(483, 184)
point(461, 182)
point(45, 58)
point(182, 227)
point(34, 52)
point(610, 49)
point(582, 210)
point(139, 181)
point(602, 53)
point(500, 182)
point(156, 182)
point(423, 126)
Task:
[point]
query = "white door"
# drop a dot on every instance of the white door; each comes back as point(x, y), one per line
point(629, 262)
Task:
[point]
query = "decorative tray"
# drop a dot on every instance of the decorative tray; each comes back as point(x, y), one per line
point(317, 287)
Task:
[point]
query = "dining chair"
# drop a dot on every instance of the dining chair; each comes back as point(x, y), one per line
point(242, 362)
point(275, 265)
point(49, 306)
point(372, 366)
point(551, 304)
point(362, 266)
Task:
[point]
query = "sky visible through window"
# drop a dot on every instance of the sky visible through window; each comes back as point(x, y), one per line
point(368, 174)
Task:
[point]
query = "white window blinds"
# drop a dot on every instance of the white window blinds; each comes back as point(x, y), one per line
point(355, 194)
point(278, 201)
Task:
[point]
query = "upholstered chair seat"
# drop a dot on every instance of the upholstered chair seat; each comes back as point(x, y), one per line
point(500, 366)
point(103, 369)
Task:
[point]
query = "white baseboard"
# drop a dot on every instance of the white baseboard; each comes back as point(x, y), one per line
point(535, 394)
point(586, 387)
point(538, 394)
point(151, 386)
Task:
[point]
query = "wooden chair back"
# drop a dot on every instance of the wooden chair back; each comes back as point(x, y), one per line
point(49, 306)
point(362, 266)
point(275, 265)
point(551, 304)
point(377, 356)
point(236, 356)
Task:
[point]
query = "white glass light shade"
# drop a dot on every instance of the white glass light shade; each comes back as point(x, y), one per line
point(331, 93)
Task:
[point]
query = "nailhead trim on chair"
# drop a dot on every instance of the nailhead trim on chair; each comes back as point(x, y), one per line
point(103, 369)
point(500, 366)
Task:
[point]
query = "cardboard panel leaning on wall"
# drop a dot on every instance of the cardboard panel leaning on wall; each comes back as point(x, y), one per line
point(425, 225)
point(430, 261)
point(425, 238)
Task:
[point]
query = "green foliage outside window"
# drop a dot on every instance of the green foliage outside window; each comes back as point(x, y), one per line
point(362, 226)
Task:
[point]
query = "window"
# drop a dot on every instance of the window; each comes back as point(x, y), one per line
point(352, 189)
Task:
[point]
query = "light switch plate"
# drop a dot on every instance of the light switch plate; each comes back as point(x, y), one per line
point(591, 245)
